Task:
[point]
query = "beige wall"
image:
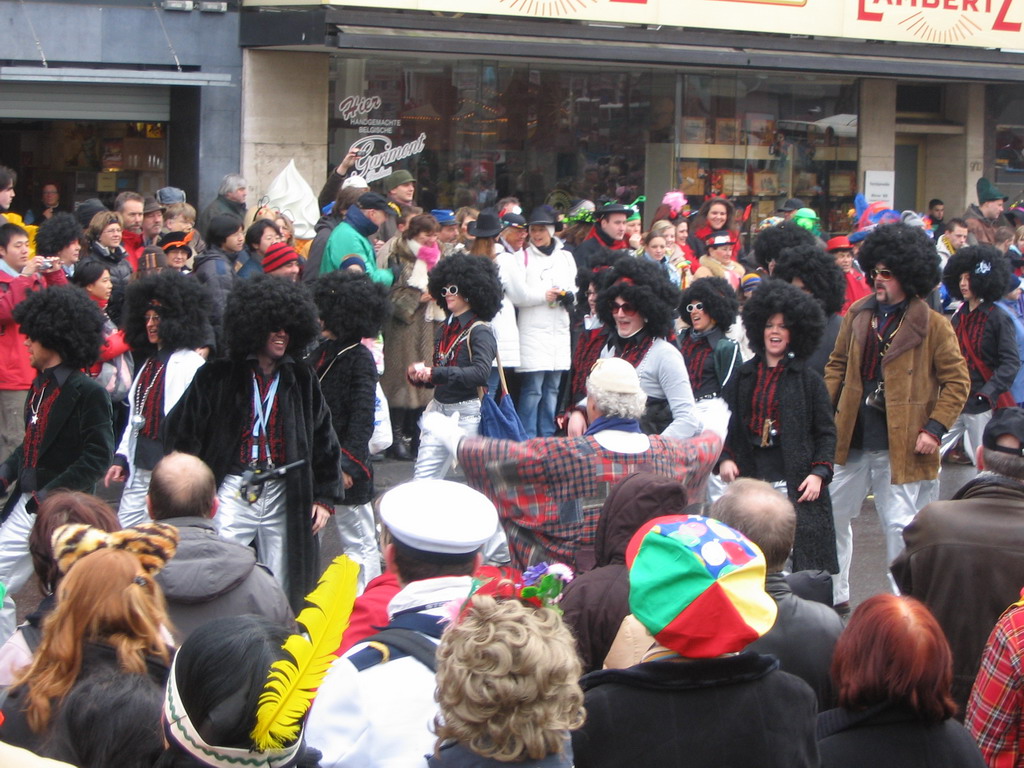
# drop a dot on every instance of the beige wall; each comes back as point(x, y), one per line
point(876, 123)
point(284, 117)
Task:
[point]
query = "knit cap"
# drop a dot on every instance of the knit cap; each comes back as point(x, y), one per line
point(278, 255)
point(697, 585)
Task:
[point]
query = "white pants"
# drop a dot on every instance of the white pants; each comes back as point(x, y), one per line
point(434, 459)
point(896, 506)
point(15, 561)
point(132, 510)
point(970, 426)
point(262, 523)
point(358, 533)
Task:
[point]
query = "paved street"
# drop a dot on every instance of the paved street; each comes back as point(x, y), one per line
point(867, 577)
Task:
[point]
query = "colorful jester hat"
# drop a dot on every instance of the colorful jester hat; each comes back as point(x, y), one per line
point(697, 585)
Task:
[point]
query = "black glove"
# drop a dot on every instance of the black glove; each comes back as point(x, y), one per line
point(567, 299)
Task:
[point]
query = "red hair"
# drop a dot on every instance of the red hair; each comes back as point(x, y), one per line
point(894, 650)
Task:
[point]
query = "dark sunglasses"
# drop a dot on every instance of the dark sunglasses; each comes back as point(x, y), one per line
point(885, 274)
point(625, 307)
point(450, 290)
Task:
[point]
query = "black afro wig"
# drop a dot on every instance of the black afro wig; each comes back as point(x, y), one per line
point(65, 320)
point(818, 271)
point(57, 233)
point(771, 242)
point(908, 252)
point(718, 298)
point(181, 303)
point(803, 316)
point(261, 305)
point(476, 278)
point(988, 267)
point(644, 285)
point(351, 306)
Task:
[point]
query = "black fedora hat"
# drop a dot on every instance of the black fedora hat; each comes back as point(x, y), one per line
point(609, 208)
point(543, 214)
point(487, 225)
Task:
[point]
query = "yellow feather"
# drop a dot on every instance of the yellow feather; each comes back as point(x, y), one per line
point(293, 682)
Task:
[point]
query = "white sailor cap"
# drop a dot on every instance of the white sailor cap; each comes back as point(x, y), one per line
point(439, 516)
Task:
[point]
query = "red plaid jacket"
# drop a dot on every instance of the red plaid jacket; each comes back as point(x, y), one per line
point(996, 707)
point(549, 491)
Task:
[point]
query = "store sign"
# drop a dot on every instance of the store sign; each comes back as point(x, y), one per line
point(982, 23)
point(378, 155)
point(356, 111)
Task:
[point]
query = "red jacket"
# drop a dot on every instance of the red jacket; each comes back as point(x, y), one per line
point(15, 371)
point(370, 610)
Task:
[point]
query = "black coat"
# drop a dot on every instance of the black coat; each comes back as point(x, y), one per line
point(998, 352)
point(77, 447)
point(808, 442)
point(802, 639)
point(595, 603)
point(209, 424)
point(120, 269)
point(350, 389)
point(732, 711)
point(889, 736)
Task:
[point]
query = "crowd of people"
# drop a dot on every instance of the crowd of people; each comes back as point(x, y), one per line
point(651, 568)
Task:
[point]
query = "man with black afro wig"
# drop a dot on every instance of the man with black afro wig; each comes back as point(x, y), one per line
point(469, 290)
point(897, 381)
point(812, 270)
point(770, 243)
point(256, 412)
point(68, 431)
point(60, 238)
point(978, 276)
point(165, 322)
point(637, 304)
point(352, 307)
point(781, 429)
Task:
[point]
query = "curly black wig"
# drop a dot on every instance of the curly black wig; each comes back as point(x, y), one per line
point(644, 285)
point(717, 296)
point(476, 278)
point(908, 252)
point(57, 233)
point(352, 307)
point(803, 316)
point(821, 276)
point(181, 303)
point(261, 305)
point(64, 319)
point(771, 242)
point(591, 275)
point(988, 267)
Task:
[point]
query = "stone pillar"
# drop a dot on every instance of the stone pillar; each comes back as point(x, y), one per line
point(284, 117)
point(876, 127)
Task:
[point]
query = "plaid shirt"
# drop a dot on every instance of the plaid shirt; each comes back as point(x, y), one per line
point(549, 491)
point(997, 701)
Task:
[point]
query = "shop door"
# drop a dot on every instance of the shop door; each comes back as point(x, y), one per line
point(910, 152)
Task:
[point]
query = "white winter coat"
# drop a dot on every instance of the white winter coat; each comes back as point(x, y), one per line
point(543, 330)
point(506, 331)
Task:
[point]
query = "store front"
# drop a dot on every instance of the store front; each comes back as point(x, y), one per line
point(475, 131)
point(618, 100)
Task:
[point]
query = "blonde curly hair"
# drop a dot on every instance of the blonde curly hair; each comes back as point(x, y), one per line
point(508, 681)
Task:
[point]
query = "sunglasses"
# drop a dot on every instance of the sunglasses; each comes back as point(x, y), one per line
point(450, 290)
point(698, 307)
point(625, 307)
point(885, 274)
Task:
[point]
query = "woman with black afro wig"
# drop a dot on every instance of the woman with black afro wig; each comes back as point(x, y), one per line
point(165, 323)
point(781, 429)
point(68, 438)
point(352, 307)
point(770, 243)
point(60, 237)
point(469, 291)
point(256, 413)
point(978, 276)
point(637, 304)
point(812, 270)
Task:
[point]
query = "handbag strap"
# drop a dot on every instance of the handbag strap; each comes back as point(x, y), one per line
point(482, 391)
point(342, 352)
